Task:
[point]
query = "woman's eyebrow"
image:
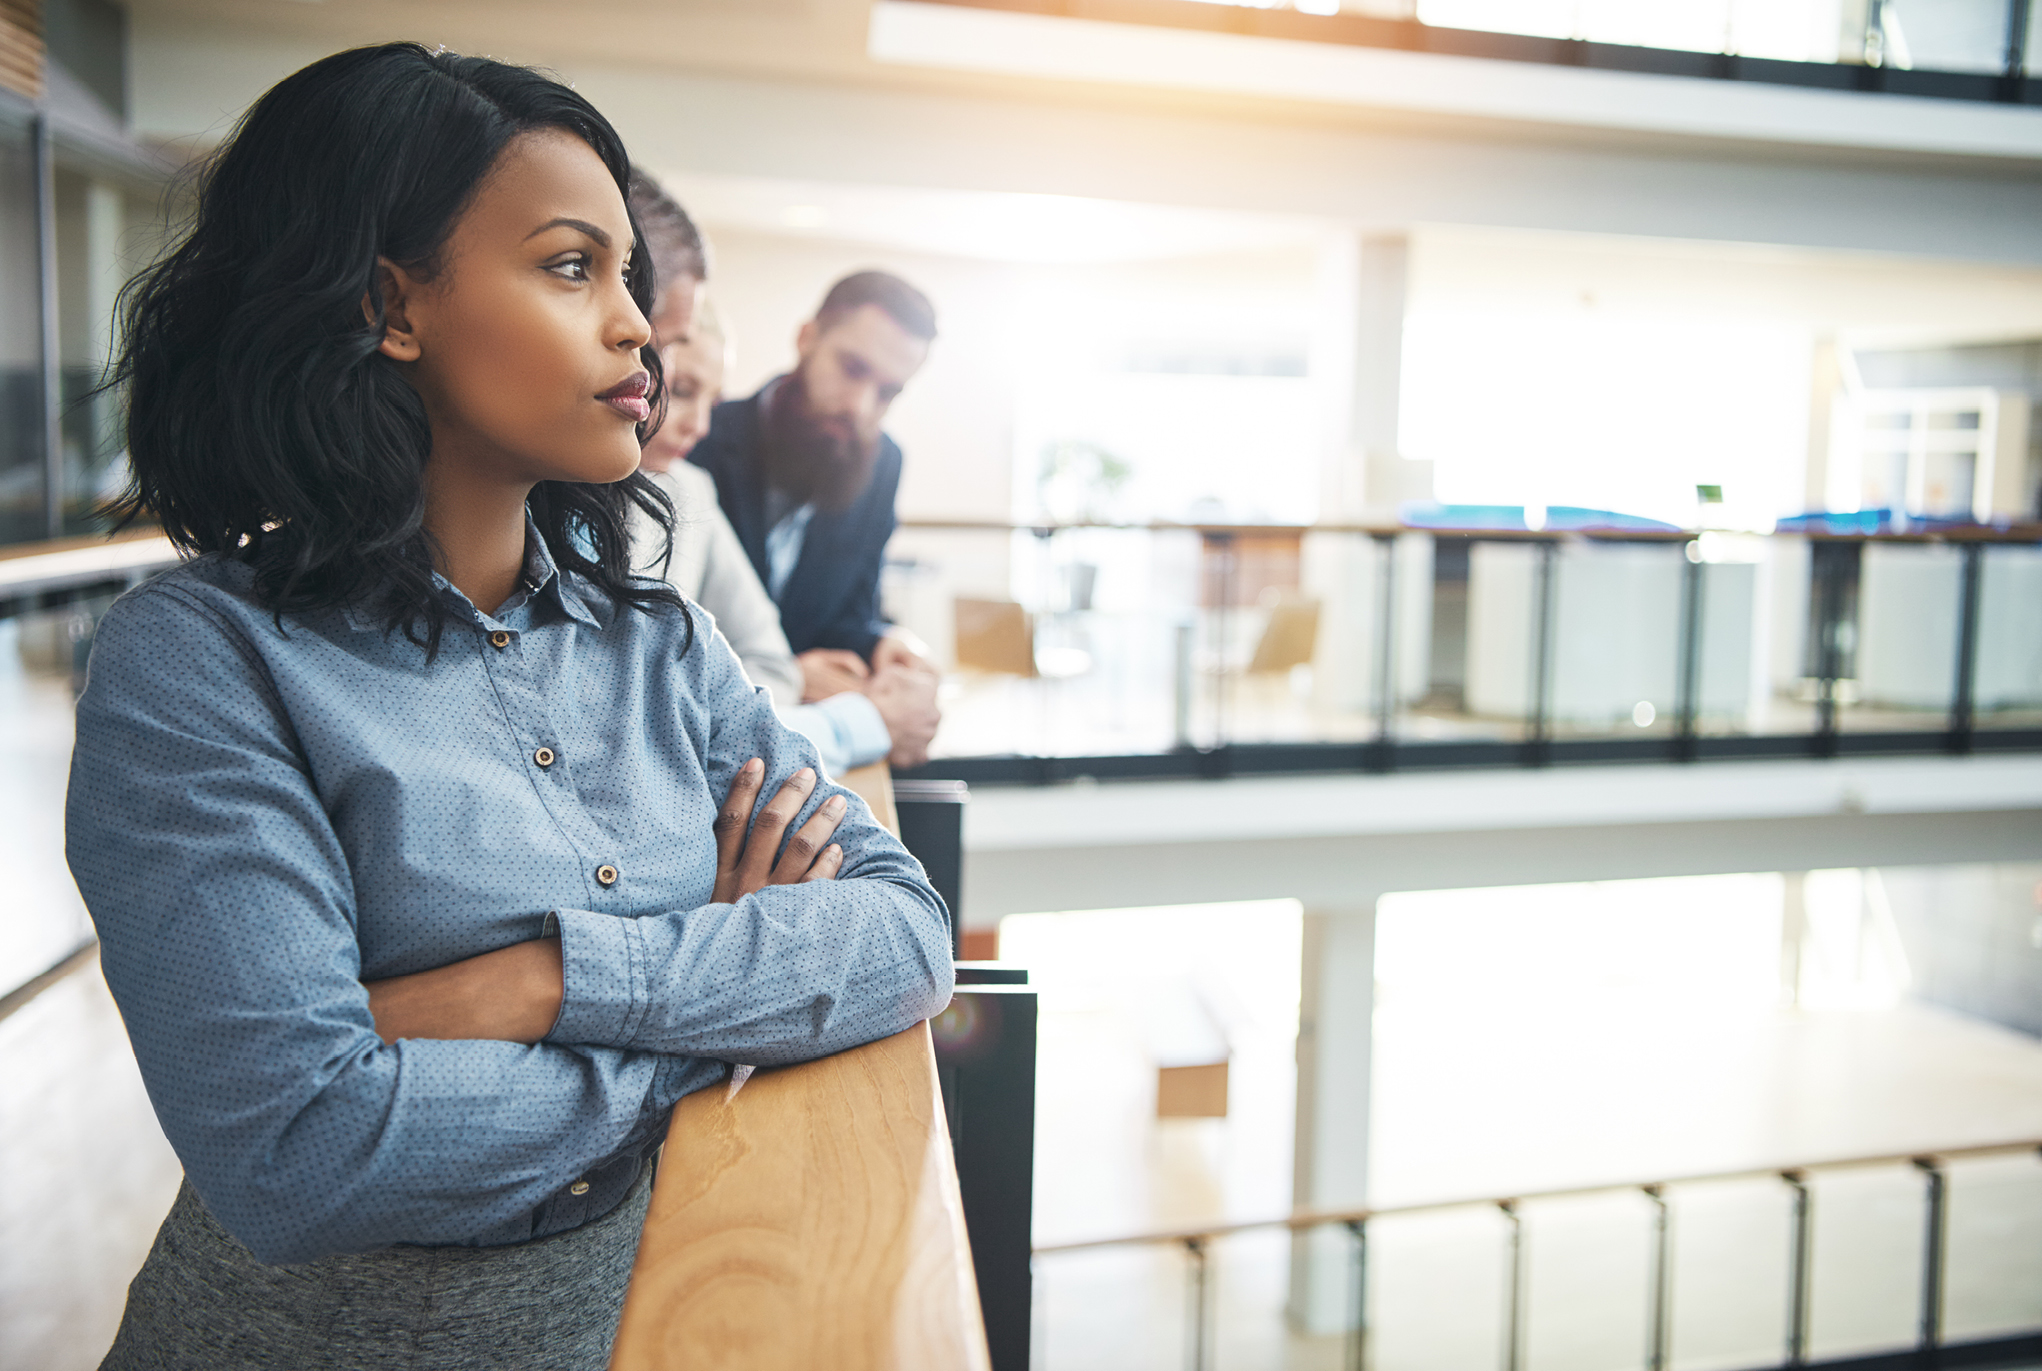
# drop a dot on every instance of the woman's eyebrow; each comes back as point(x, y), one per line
point(602, 238)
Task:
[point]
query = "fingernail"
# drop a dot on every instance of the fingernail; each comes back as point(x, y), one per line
point(835, 804)
point(754, 767)
point(806, 775)
point(835, 851)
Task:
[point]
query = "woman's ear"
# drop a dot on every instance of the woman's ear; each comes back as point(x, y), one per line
point(400, 297)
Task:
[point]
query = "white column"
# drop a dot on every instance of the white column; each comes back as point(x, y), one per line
point(1336, 1015)
point(1825, 384)
point(1358, 354)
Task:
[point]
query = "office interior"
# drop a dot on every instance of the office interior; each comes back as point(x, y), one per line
point(1487, 565)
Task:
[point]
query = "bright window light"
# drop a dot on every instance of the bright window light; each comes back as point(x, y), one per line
point(1790, 30)
point(1202, 399)
point(1608, 412)
point(1707, 943)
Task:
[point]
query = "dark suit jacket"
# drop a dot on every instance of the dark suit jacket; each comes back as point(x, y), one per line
point(832, 598)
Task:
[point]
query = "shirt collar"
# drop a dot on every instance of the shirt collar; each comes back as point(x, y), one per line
point(569, 590)
point(540, 572)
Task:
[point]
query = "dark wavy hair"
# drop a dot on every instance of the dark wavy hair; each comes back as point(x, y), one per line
point(262, 420)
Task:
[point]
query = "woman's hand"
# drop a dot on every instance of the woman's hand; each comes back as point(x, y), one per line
point(511, 995)
point(744, 859)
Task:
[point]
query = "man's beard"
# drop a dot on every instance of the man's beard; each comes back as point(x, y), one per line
point(808, 458)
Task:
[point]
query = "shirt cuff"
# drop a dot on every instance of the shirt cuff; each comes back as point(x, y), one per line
point(847, 730)
point(859, 724)
point(602, 975)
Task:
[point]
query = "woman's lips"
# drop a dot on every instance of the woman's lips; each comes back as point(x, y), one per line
point(627, 397)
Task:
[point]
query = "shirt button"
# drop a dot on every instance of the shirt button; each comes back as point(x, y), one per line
point(499, 639)
point(544, 756)
point(606, 875)
point(578, 1188)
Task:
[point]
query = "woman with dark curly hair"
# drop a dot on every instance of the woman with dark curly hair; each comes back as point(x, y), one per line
point(423, 839)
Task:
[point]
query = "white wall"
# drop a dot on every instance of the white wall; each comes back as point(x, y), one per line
point(1621, 372)
point(954, 422)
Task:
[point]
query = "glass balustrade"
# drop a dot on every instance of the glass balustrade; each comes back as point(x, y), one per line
point(1206, 650)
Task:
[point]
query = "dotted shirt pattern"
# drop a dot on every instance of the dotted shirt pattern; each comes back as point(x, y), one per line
point(261, 819)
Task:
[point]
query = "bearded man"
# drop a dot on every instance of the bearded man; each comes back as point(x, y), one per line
point(807, 477)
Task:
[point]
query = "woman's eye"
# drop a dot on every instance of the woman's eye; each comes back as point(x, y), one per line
point(575, 268)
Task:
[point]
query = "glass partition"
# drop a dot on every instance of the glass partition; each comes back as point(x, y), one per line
point(2007, 678)
point(1328, 648)
point(1908, 637)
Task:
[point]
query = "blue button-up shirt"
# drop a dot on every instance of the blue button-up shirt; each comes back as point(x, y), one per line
point(262, 818)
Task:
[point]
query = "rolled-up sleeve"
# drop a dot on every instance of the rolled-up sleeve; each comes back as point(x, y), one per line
point(787, 974)
point(226, 911)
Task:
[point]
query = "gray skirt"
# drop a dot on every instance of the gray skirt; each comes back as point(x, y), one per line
point(201, 1301)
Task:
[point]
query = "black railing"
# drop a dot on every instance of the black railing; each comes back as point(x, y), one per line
point(1828, 720)
point(81, 577)
point(1929, 1350)
point(985, 1061)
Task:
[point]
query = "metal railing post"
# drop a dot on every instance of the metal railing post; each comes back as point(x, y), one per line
point(1540, 732)
point(1935, 1230)
point(1832, 564)
point(1223, 629)
point(1513, 1304)
point(1658, 1324)
point(1357, 1323)
point(1800, 1254)
point(1386, 649)
point(1687, 705)
point(1195, 1342)
point(1963, 718)
point(2015, 68)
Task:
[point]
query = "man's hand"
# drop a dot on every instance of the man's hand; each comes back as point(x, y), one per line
point(745, 847)
point(827, 671)
point(906, 700)
point(510, 995)
point(896, 650)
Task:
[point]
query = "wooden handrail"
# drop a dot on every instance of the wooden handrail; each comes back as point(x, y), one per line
point(812, 1219)
point(874, 785)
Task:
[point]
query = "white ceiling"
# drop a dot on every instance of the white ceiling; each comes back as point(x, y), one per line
point(1001, 226)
